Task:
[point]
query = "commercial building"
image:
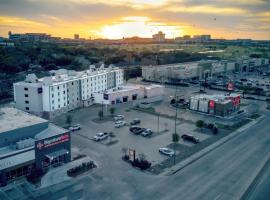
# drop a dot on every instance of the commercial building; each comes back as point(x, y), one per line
point(64, 90)
point(246, 64)
point(159, 37)
point(129, 93)
point(29, 143)
point(76, 36)
point(173, 73)
point(218, 105)
point(202, 38)
point(29, 36)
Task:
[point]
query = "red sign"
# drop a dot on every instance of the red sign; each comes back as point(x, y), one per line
point(236, 100)
point(230, 86)
point(54, 141)
point(212, 104)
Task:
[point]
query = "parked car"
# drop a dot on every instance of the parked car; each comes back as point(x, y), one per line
point(75, 127)
point(190, 138)
point(119, 117)
point(119, 124)
point(147, 132)
point(136, 130)
point(135, 121)
point(166, 151)
point(101, 136)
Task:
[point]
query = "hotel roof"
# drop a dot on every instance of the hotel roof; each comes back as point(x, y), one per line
point(12, 118)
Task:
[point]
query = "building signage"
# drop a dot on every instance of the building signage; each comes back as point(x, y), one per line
point(230, 87)
point(52, 142)
point(106, 96)
point(212, 104)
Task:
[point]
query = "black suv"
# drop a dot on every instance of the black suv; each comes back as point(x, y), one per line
point(190, 138)
point(136, 130)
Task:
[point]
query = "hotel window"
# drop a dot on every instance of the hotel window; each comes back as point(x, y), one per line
point(26, 89)
point(39, 90)
point(26, 95)
point(27, 102)
point(26, 108)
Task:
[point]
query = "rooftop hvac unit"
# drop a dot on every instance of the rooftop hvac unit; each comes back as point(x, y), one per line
point(28, 142)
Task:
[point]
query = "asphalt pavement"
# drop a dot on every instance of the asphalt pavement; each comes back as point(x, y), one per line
point(223, 174)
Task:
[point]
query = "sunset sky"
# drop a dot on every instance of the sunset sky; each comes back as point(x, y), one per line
point(126, 18)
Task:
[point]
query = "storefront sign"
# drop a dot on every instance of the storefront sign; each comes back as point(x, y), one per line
point(52, 142)
point(212, 104)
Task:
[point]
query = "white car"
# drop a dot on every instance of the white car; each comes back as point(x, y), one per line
point(119, 124)
point(119, 117)
point(166, 151)
point(147, 132)
point(75, 127)
point(101, 136)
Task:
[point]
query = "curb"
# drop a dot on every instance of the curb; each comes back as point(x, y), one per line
point(208, 149)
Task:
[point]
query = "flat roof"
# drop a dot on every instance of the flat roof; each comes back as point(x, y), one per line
point(12, 118)
point(51, 131)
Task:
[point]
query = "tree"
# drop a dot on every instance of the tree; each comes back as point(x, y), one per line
point(175, 139)
point(69, 119)
point(173, 101)
point(112, 111)
point(100, 114)
point(215, 130)
point(200, 123)
point(142, 156)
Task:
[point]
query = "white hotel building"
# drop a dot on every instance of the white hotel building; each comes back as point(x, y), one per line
point(64, 90)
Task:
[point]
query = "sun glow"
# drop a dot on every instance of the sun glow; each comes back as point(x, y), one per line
point(139, 26)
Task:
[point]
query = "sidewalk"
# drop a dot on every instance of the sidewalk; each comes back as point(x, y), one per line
point(59, 174)
point(203, 152)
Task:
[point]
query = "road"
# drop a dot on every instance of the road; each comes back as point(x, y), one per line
point(260, 189)
point(222, 174)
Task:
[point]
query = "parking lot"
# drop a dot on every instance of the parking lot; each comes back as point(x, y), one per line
point(110, 149)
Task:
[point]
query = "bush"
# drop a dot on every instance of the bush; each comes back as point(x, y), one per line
point(215, 130)
point(173, 101)
point(142, 164)
point(200, 123)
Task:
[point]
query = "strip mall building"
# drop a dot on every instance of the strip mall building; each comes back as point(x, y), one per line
point(29, 143)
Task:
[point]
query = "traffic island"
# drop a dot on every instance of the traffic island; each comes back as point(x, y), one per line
point(80, 169)
point(139, 163)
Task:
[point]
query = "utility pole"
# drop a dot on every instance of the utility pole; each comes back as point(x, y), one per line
point(175, 137)
point(158, 123)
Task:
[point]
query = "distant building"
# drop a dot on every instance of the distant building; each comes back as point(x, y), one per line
point(29, 36)
point(29, 144)
point(174, 73)
point(202, 38)
point(186, 37)
point(76, 36)
point(159, 37)
point(64, 90)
